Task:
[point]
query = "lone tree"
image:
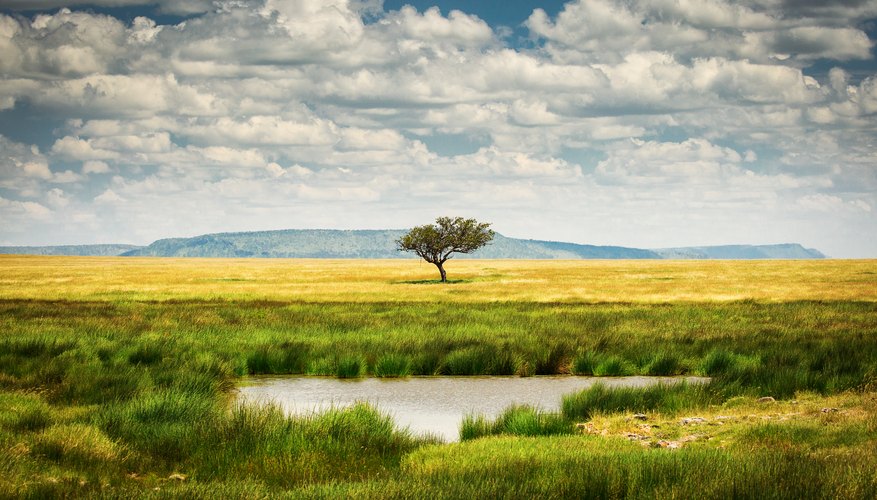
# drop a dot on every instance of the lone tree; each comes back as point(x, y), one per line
point(435, 243)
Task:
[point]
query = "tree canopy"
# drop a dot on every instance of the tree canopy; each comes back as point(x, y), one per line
point(435, 243)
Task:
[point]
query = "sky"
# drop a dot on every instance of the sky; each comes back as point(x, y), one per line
point(645, 123)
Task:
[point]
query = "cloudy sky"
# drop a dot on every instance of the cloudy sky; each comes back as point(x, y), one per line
point(648, 123)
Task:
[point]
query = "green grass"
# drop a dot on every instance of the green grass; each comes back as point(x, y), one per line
point(392, 366)
point(577, 467)
point(599, 398)
point(776, 348)
point(518, 420)
point(109, 393)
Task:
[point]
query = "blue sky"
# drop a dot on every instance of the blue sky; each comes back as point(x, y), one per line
point(648, 123)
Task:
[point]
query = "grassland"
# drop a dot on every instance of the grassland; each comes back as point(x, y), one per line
point(117, 376)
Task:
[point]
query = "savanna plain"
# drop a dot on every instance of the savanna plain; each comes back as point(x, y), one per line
point(118, 377)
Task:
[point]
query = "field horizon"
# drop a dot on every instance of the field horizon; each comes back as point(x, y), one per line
point(153, 278)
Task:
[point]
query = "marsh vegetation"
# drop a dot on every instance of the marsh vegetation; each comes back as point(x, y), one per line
point(117, 377)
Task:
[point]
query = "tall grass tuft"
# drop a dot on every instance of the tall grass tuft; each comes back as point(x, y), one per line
point(286, 357)
point(665, 363)
point(585, 363)
point(614, 366)
point(552, 360)
point(718, 361)
point(600, 398)
point(350, 367)
point(517, 420)
point(468, 361)
point(392, 365)
point(147, 353)
point(34, 417)
point(77, 444)
point(163, 424)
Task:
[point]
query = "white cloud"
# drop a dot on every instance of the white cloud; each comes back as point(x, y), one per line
point(266, 130)
point(22, 167)
point(81, 149)
point(531, 113)
point(231, 156)
point(108, 196)
point(36, 169)
point(590, 30)
point(27, 210)
point(56, 198)
point(126, 95)
point(143, 30)
point(495, 162)
point(810, 42)
point(152, 143)
point(822, 202)
point(358, 139)
point(66, 177)
point(432, 26)
point(95, 167)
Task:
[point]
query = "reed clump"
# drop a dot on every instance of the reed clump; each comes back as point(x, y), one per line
point(668, 398)
point(518, 420)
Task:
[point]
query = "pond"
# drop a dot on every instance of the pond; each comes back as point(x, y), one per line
point(434, 405)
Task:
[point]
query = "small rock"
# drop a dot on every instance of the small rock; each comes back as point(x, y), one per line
point(589, 428)
point(693, 420)
point(634, 436)
point(668, 444)
point(828, 410)
point(176, 476)
point(639, 416)
point(766, 399)
point(691, 437)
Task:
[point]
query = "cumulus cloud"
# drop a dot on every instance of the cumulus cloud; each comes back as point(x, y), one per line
point(108, 197)
point(95, 167)
point(27, 210)
point(81, 149)
point(585, 30)
point(22, 167)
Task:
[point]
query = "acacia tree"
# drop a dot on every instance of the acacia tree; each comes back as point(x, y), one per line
point(435, 243)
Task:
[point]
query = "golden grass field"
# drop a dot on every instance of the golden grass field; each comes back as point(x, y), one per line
point(323, 280)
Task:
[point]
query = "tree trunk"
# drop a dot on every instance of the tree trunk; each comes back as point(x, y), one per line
point(442, 271)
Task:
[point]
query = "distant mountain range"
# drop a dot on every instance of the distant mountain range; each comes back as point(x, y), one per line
point(380, 244)
point(92, 250)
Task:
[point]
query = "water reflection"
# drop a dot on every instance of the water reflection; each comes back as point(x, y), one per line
point(433, 405)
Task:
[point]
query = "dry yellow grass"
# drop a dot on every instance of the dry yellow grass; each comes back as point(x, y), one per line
point(124, 278)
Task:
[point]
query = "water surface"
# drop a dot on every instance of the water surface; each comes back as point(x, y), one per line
point(434, 405)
